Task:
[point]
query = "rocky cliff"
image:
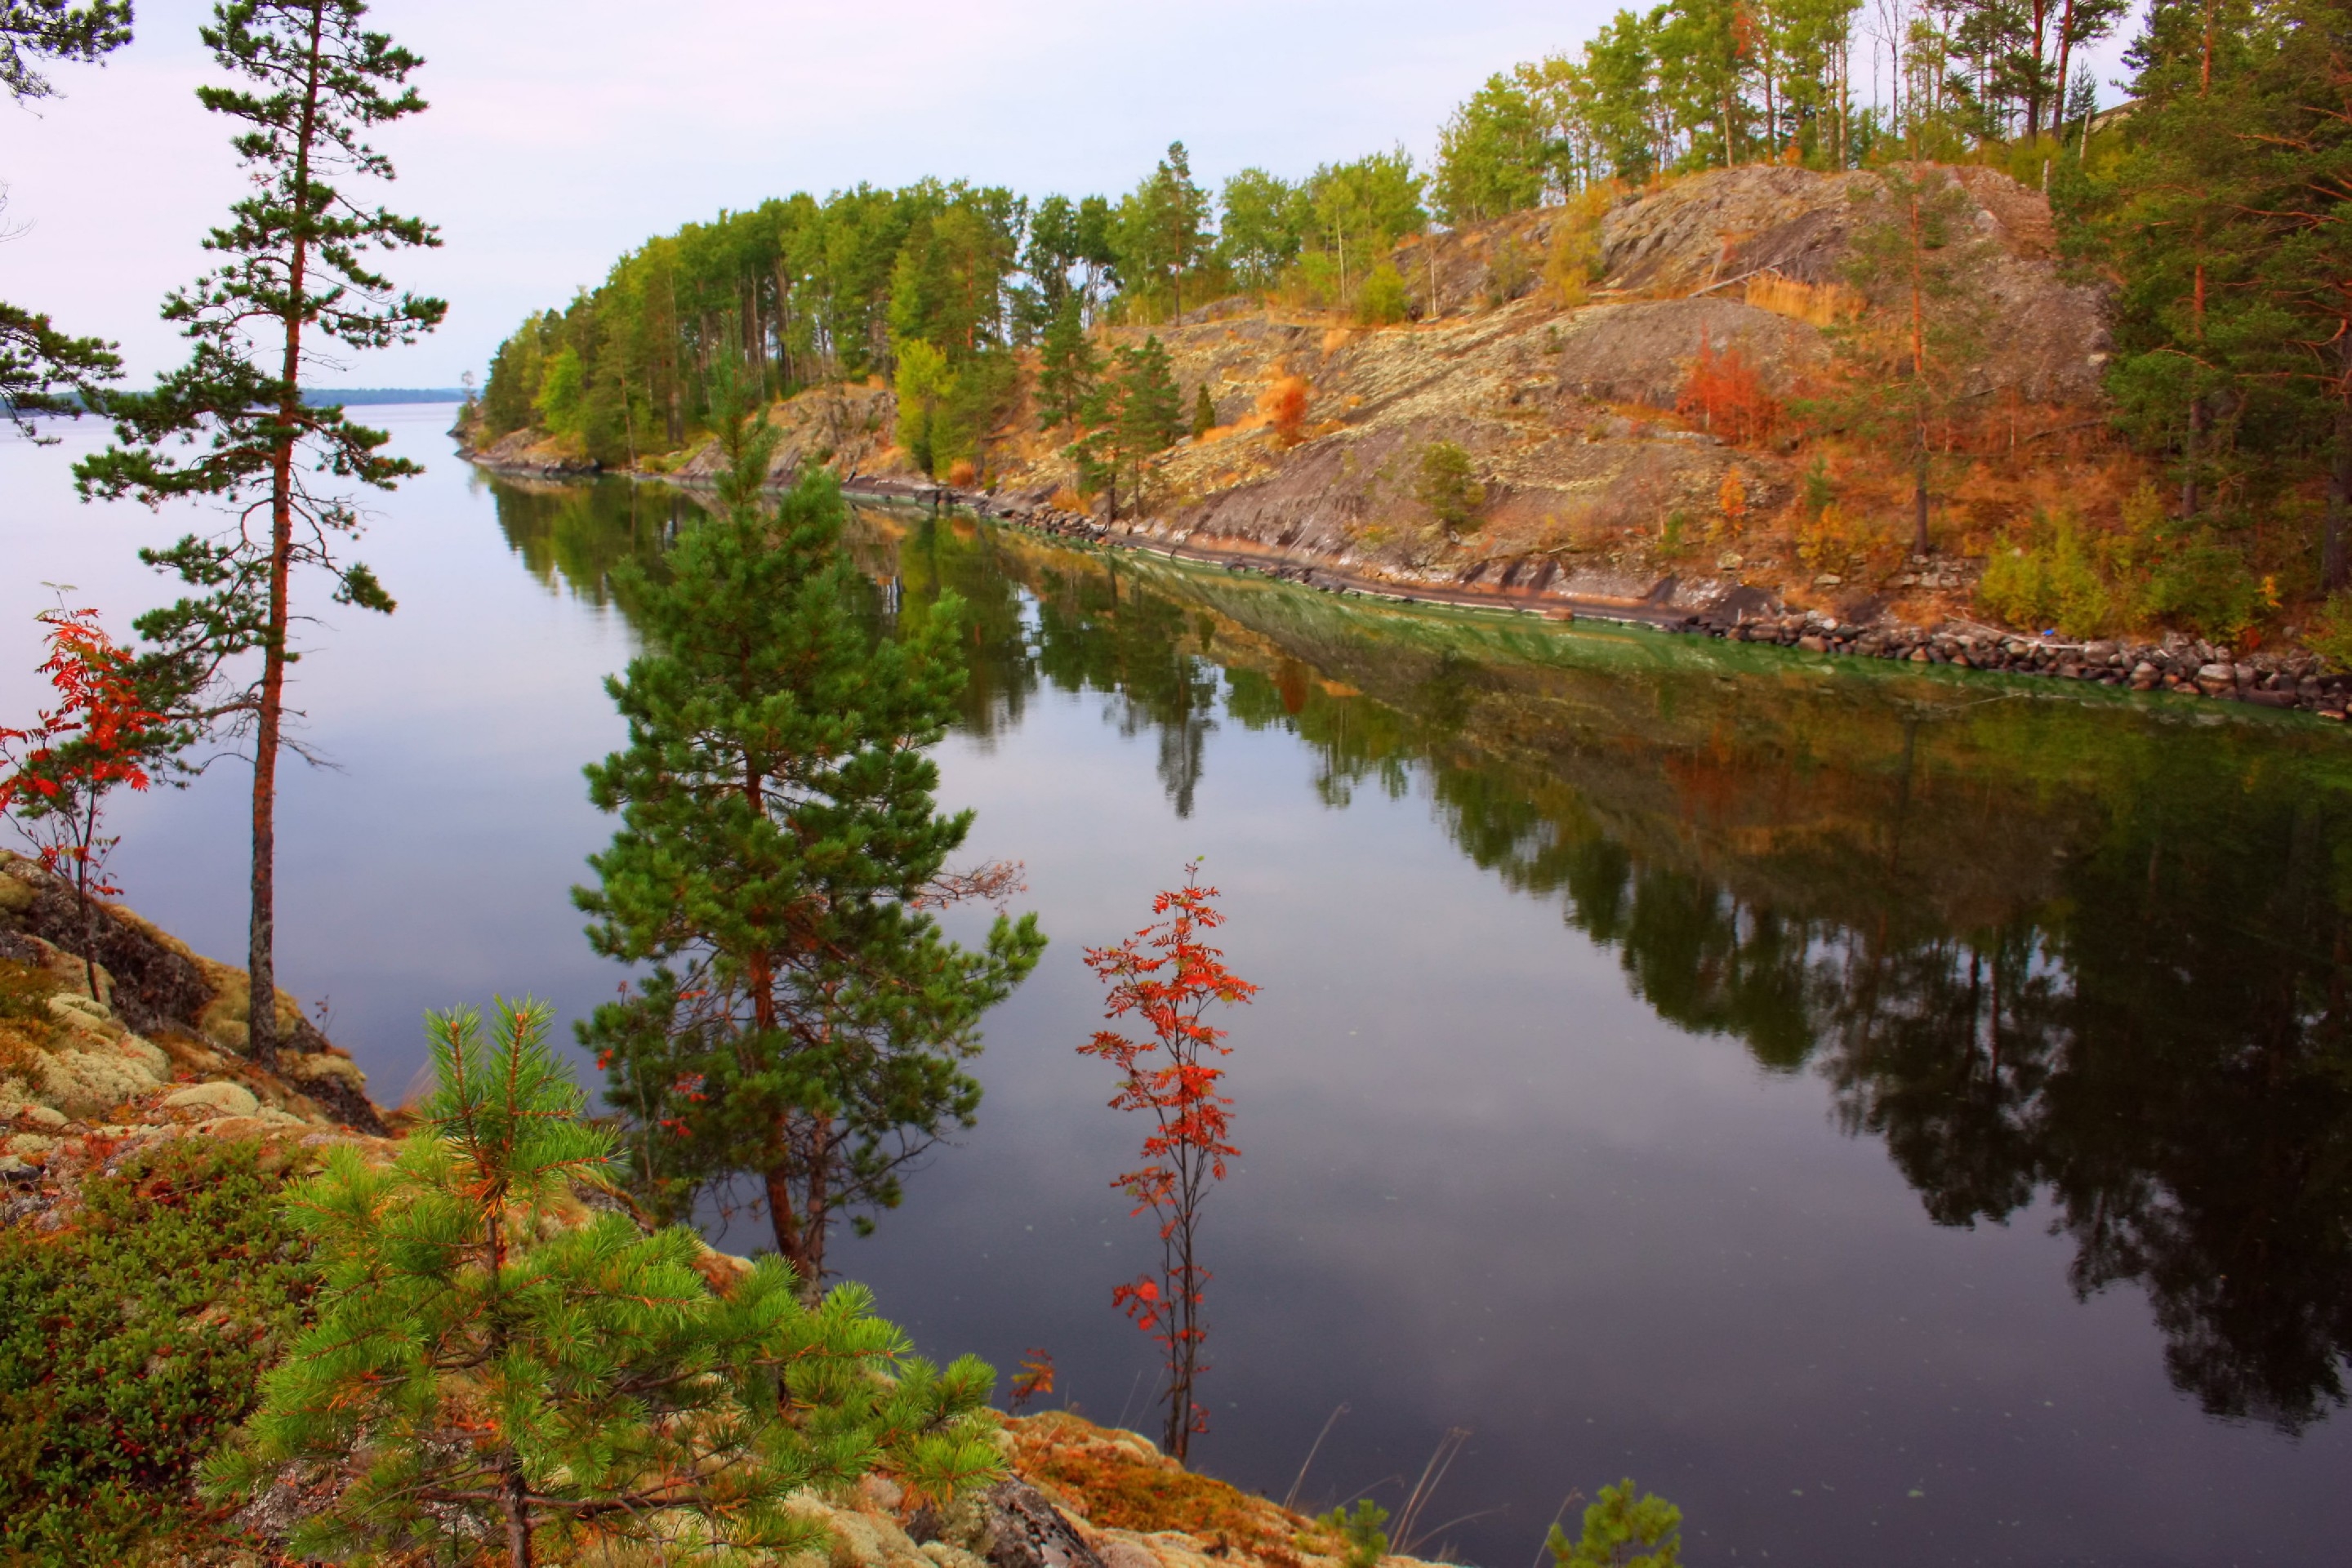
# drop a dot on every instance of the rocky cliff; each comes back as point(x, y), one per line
point(1597, 489)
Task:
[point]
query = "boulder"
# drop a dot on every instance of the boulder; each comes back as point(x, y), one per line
point(212, 1099)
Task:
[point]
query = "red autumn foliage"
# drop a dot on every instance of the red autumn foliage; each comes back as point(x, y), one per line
point(1285, 406)
point(1034, 1380)
point(1167, 976)
point(61, 767)
point(1726, 396)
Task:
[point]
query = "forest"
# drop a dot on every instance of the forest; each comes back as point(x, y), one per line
point(2208, 207)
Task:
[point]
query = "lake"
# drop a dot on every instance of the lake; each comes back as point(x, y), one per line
point(1900, 1118)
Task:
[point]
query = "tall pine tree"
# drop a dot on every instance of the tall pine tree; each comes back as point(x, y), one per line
point(804, 1022)
point(2230, 226)
point(232, 426)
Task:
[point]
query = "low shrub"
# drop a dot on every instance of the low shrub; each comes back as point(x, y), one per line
point(1364, 1540)
point(1726, 395)
point(2331, 632)
point(2057, 575)
point(132, 1343)
point(1445, 486)
point(1285, 406)
point(1623, 1528)
point(1381, 301)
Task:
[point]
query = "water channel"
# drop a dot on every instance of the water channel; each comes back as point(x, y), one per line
point(1901, 1118)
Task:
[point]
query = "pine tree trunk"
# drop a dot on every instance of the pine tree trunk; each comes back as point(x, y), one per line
point(2034, 89)
point(784, 1209)
point(2335, 570)
point(261, 930)
point(2191, 454)
point(2065, 57)
point(1920, 544)
point(514, 1502)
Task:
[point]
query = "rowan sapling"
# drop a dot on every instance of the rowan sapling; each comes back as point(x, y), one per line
point(1166, 975)
point(60, 770)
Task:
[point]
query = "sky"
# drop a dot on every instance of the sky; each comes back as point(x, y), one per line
point(561, 135)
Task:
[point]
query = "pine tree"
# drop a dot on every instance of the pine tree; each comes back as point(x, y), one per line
point(1135, 413)
point(2226, 222)
point(1067, 367)
point(42, 370)
point(1916, 347)
point(295, 264)
point(492, 1360)
point(804, 1022)
point(1204, 412)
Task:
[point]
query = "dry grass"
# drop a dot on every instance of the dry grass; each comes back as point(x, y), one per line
point(25, 1027)
point(1120, 1489)
point(1822, 304)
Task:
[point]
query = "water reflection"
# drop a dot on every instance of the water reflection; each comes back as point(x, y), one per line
point(2038, 946)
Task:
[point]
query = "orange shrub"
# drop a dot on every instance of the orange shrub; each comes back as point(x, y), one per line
point(1726, 396)
point(962, 474)
point(1285, 406)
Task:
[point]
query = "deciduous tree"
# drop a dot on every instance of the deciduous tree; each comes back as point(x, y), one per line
point(1166, 976)
point(62, 769)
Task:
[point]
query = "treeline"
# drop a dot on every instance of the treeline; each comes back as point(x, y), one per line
point(2213, 204)
point(1717, 83)
point(802, 291)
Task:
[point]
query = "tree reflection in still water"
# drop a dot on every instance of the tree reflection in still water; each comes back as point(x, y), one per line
point(2040, 948)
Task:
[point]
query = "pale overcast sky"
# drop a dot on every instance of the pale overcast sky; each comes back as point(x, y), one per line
point(561, 135)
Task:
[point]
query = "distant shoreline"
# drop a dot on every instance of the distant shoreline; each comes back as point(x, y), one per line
point(340, 397)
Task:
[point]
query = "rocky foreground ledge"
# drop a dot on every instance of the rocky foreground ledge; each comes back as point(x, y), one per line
point(89, 1083)
point(156, 1053)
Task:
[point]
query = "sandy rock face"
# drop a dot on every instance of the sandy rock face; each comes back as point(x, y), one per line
point(162, 1015)
point(85, 1079)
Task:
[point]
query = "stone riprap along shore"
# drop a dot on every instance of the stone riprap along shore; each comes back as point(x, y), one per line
point(2187, 666)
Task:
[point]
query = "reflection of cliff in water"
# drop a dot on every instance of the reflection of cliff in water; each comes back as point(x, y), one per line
point(2037, 946)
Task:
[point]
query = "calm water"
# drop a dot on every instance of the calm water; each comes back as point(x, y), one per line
point(1900, 1120)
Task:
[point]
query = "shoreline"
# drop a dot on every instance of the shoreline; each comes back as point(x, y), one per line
point(2178, 665)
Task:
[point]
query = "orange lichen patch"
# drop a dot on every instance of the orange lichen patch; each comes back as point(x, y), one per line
point(1118, 1482)
point(1336, 338)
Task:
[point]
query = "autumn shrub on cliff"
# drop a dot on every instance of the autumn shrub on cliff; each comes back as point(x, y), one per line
point(1726, 394)
point(132, 1341)
point(1285, 406)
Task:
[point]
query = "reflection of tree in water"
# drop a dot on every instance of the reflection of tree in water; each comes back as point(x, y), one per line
point(1096, 633)
point(927, 553)
point(577, 533)
point(2034, 948)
